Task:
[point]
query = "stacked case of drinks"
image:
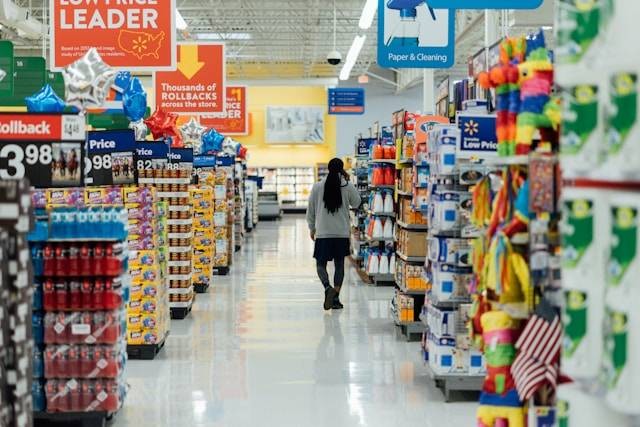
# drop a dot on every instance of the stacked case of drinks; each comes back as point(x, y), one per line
point(148, 309)
point(80, 256)
point(203, 228)
point(173, 188)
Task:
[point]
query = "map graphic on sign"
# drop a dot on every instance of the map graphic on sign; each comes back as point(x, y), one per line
point(140, 44)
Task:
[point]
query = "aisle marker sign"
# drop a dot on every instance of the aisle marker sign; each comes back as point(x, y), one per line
point(46, 149)
point(198, 84)
point(412, 34)
point(487, 4)
point(347, 101)
point(235, 119)
point(137, 35)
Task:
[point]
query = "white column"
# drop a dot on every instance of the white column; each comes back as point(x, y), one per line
point(428, 92)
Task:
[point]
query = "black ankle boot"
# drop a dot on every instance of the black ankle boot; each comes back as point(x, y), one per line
point(337, 305)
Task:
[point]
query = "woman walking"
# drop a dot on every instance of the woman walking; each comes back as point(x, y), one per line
point(328, 218)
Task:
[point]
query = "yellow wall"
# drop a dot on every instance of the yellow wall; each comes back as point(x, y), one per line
point(262, 154)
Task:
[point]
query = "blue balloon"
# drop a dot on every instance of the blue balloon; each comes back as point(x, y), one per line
point(45, 101)
point(134, 100)
point(212, 141)
point(123, 78)
point(238, 148)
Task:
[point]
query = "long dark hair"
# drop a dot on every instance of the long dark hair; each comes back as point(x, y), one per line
point(333, 186)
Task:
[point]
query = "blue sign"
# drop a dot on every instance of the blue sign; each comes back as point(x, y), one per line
point(181, 155)
point(477, 136)
point(109, 157)
point(412, 34)
point(146, 150)
point(346, 101)
point(225, 160)
point(204, 161)
point(487, 4)
point(364, 146)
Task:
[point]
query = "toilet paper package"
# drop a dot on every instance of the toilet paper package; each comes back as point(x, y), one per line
point(577, 408)
point(584, 239)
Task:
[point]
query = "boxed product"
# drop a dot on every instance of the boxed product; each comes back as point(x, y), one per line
point(412, 243)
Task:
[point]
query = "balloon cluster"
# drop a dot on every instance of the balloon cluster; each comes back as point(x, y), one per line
point(192, 132)
point(162, 124)
point(212, 142)
point(134, 106)
point(88, 81)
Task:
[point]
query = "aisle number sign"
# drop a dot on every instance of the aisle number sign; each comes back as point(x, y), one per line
point(487, 4)
point(139, 35)
point(235, 119)
point(48, 150)
point(346, 100)
point(198, 85)
point(426, 40)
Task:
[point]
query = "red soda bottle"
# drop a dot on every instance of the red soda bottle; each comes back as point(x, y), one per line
point(109, 365)
point(98, 294)
point(73, 362)
point(49, 295)
point(50, 362)
point(99, 395)
point(62, 361)
point(50, 336)
point(87, 396)
point(63, 397)
point(111, 328)
point(112, 401)
point(49, 261)
point(74, 261)
point(51, 390)
point(62, 294)
point(75, 294)
point(112, 297)
point(75, 395)
point(86, 327)
point(85, 260)
point(98, 360)
point(86, 360)
point(87, 294)
point(98, 260)
point(98, 327)
point(62, 260)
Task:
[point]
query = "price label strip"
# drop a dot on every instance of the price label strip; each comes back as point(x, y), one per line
point(110, 158)
point(48, 150)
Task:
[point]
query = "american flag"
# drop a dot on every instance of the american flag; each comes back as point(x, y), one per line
point(537, 362)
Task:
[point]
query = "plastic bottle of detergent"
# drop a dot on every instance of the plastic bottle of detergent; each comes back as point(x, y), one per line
point(407, 31)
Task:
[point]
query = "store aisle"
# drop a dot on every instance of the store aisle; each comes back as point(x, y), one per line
point(258, 350)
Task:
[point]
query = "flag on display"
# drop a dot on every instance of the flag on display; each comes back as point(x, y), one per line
point(537, 362)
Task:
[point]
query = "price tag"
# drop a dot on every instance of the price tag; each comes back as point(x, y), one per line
point(73, 128)
point(151, 155)
point(45, 164)
point(110, 157)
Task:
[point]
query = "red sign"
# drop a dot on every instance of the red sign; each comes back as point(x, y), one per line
point(137, 35)
point(197, 86)
point(235, 120)
point(41, 127)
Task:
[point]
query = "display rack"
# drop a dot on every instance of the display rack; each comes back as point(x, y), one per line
point(359, 245)
point(322, 170)
point(293, 185)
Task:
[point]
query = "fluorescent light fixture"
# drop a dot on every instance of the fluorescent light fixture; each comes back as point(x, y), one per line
point(181, 24)
point(223, 36)
point(352, 57)
point(368, 12)
point(547, 27)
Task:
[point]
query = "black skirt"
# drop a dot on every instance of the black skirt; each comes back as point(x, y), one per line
point(331, 248)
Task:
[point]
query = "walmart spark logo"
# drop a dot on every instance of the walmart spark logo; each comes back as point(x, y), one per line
point(471, 127)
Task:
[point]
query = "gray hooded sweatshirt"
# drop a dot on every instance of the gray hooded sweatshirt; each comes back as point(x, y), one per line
point(324, 223)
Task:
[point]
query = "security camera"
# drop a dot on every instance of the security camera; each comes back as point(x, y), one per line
point(334, 58)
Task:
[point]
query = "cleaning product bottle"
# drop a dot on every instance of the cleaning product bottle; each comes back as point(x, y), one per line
point(407, 32)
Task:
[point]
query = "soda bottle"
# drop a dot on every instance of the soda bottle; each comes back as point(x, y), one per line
point(111, 328)
point(75, 294)
point(50, 335)
point(38, 362)
point(98, 294)
point(49, 295)
point(51, 392)
point(98, 260)
point(86, 292)
point(74, 261)
point(73, 362)
point(112, 401)
point(39, 397)
point(61, 254)
point(112, 292)
point(50, 362)
point(98, 361)
point(98, 326)
point(84, 334)
point(87, 396)
point(37, 321)
point(49, 263)
point(85, 260)
point(61, 361)
point(109, 363)
point(37, 258)
point(62, 294)
point(75, 395)
point(37, 295)
point(63, 397)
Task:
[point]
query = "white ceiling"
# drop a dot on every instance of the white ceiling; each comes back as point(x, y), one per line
point(286, 39)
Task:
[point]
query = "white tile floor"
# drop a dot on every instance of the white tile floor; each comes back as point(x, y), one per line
point(259, 350)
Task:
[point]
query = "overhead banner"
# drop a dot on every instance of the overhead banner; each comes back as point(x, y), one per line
point(235, 119)
point(110, 157)
point(46, 149)
point(346, 101)
point(137, 35)
point(198, 85)
point(412, 34)
point(487, 4)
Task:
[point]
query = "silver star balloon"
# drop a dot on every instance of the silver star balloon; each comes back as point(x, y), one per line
point(3, 74)
point(140, 129)
point(88, 81)
point(192, 132)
